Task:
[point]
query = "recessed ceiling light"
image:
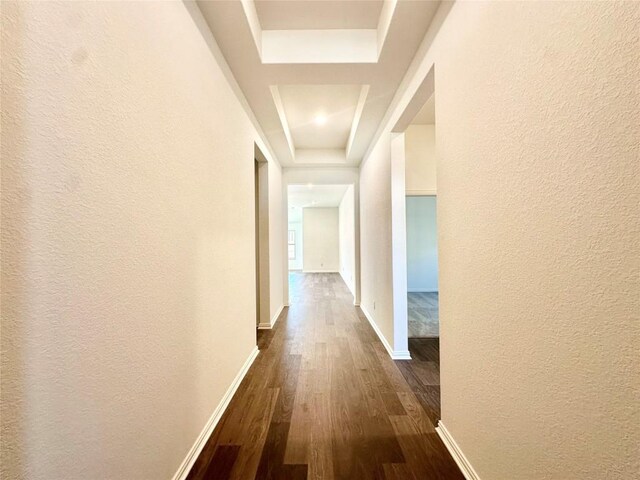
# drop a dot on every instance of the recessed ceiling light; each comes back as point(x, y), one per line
point(320, 119)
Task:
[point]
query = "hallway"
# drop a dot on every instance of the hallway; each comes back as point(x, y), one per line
point(324, 400)
point(165, 164)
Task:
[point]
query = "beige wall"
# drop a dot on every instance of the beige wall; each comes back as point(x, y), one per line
point(420, 160)
point(346, 227)
point(375, 234)
point(125, 312)
point(263, 193)
point(320, 243)
point(537, 146)
point(277, 241)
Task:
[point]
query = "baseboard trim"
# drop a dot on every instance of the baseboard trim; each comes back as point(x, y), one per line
point(201, 441)
point(462, 461)
point(421, 290)
point(320, 271)
point(401, 355)
point(269, 326)
point(395, 355)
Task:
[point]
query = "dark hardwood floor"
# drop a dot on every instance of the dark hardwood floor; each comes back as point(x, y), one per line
point(323, 400)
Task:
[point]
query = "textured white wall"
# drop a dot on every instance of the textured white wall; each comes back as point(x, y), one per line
point(320, 240)
point(375, 234)
point(420, 159)
point(422, 245)
point(126, 276)
point(346, 226)
point(537, 146)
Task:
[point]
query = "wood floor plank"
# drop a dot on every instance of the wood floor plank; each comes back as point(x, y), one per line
point(272, 457)
point(293, 472)
point(301, 421)
point(415, 412)
point(398, 471)
point(223, 460)
point(254, 439)
point(320, 454)
point(324, 400)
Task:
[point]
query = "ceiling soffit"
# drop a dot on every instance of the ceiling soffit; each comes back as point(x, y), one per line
point(318, 75)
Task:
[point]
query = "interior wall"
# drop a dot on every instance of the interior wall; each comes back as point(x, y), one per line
point(296, 264)
point(422, 245)
point(320, 245)
point(126, 277)
point(346, 226)
point(537, 211)
point(375, 238)
point(264, 275)
point(400, 345)
point(420, 158)
point(277, 256)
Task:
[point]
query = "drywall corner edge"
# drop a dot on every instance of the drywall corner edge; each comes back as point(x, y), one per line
point(394, 354)
point(201, 441)
point(274, 319)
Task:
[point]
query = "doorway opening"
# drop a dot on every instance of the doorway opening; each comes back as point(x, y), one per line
point(415, 242)
point(414, 225)
point(421, 224)
point(321, 234)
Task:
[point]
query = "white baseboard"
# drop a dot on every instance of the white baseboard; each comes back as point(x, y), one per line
point(269, 326)
point(395, 355)
point(320, 271)
point(202, 439)
point(421, 290)
point(462, 462)
point(401, 355)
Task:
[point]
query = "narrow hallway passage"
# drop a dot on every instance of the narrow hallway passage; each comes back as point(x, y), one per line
point(324, 400)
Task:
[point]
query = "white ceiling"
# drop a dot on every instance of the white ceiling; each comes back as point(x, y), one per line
point(427, 114)
point(314, 14)
point(316, 195)
point(345, 75)
point(335, 104)
point(313, 196)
